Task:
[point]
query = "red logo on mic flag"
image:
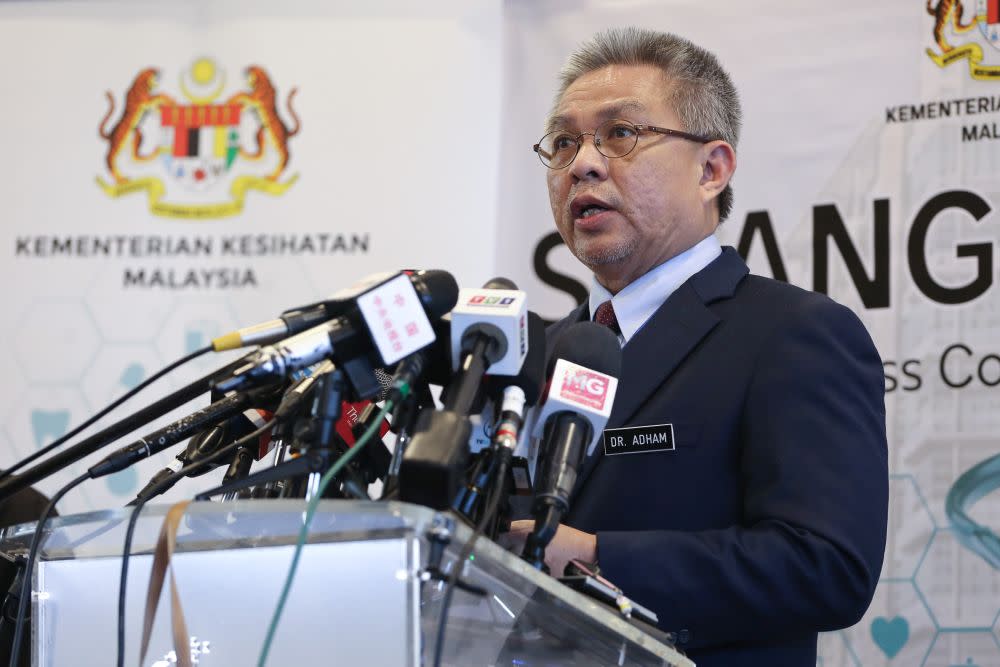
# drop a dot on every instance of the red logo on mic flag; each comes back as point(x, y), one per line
point(350, 413)
point(585, 387)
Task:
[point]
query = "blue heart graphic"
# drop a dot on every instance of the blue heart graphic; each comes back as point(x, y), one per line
point(193, 340)
point(890, 635)
point(124, 482)
point(47, 425)
point(133, 375)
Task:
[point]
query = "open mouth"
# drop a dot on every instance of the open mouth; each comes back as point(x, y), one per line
point(591, 211)
point(587, 206)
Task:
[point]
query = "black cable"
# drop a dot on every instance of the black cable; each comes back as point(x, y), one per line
point(129, 394)
point(463, 503)
point(36, 541)
point(496, 492)
point(134, 518)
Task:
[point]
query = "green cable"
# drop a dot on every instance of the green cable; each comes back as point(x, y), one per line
point(304, 532)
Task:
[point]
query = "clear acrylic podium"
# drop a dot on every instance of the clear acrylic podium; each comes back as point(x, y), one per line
point(360, 597)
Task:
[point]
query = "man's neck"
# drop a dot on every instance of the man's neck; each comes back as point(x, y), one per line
point(637, 302)
point(616, 277)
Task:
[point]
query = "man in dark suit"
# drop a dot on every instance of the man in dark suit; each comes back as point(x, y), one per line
point(741, 488)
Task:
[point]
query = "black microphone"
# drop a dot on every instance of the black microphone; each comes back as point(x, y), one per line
point(296, 320)
point(488, 331)
point(91, 444)
point(584, 379)
point(500, 283)
point(203, 445)
point(488, 334)
point(300, 392)
point(511, 396)
point(181, 429)
point(382, 324)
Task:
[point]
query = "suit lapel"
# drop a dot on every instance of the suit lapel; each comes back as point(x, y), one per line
point(658, 348)
point(665, 340)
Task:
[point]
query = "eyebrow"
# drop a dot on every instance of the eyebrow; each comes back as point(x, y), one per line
point(614, 110)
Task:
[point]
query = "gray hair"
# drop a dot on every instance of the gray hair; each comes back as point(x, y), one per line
point(703, 95)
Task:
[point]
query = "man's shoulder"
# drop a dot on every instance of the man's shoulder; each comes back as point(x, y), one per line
point(785, 297)
point(777, 310)
point(764, 288)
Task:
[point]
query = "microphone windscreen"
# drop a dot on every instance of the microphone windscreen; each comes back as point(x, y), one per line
point(437, 290)
point(438, 370)
point(384, 379)
point(531, 379)
point(500, 283)
point(591, 345)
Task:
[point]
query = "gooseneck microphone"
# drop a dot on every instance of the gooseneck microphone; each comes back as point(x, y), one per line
point(584, 379)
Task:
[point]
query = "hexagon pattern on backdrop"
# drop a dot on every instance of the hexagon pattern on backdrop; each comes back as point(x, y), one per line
point(937, 603)
point(962, 589)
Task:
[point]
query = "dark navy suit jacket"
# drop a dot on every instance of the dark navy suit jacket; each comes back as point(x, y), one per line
point(766, 524)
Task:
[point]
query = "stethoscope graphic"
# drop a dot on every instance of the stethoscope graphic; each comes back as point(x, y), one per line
point(978, 481)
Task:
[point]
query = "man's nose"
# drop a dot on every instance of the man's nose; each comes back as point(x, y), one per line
point(589, 162)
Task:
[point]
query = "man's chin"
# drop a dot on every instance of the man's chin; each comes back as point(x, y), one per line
point(596, 255)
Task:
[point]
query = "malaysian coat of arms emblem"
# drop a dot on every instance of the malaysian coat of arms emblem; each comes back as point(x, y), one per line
point(186, 156)
point(950, 17)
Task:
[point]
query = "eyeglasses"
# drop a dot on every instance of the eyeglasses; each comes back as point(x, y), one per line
point(613, 138)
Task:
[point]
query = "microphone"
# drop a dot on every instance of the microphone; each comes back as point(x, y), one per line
point(207, 443)
point(581, 393)
point(300, 391)
point(173, 433)
point(521, 390)
point(392, 318)
point(296, 320)
point(376, 458)
point(512, 395)
point(488, 331)
point(496, 312)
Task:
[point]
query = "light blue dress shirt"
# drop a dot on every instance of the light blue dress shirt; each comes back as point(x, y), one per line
point(635, 304)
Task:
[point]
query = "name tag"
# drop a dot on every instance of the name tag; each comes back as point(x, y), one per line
point(639, 439)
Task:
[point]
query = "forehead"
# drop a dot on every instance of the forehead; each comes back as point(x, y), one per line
point(631, 91)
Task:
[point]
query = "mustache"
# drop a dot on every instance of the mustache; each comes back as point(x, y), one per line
point(610, 198)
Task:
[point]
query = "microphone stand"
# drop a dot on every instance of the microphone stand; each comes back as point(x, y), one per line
point(403, 423)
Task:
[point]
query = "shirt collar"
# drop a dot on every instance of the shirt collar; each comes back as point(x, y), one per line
point(637, 302)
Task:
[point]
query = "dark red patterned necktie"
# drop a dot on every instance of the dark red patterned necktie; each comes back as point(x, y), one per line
point(606, 315)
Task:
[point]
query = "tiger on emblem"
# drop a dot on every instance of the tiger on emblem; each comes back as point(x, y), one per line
point(945, 10)
point(139, 100)
point(263, 99)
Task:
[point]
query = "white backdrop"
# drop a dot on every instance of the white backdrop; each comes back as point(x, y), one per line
point(386, 95)
point(862, 132)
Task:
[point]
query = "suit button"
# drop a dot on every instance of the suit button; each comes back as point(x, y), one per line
point(683, 636)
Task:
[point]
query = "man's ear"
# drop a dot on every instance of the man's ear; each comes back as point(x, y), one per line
point(718, 165)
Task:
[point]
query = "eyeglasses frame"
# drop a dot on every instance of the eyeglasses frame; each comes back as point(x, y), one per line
point(640, 127)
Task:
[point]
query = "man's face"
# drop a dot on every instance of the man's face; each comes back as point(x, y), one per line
point(623, 216)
